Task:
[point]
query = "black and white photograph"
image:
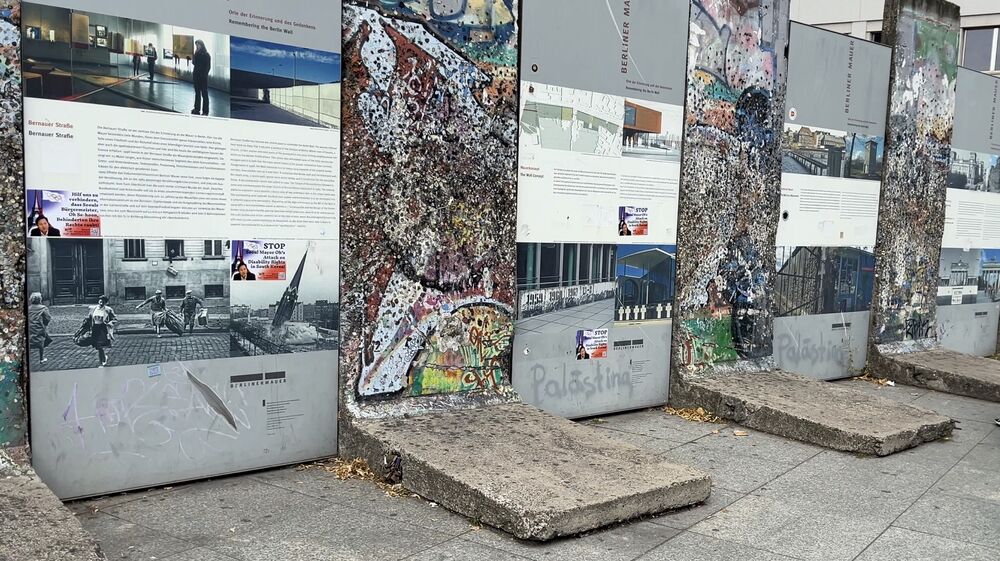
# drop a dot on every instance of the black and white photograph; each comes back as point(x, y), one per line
point(969, 276)
point(300, 313)
point(974, 171)
point(115, 302)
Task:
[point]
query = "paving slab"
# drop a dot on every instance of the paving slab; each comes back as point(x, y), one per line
point(690, 546)
point(517, 468)
point(898, 544)
point(821, 413)
point(34, 524)
point(942, 370)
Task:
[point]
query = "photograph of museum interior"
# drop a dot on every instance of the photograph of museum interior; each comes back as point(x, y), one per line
point(645, 282)
point(564, 287)
point(974, 171)
point(87, 57)
point(557, 118)
point(823, 280)
point(284, 84)
point(71, 275)
point(829, 153)
point(299, 314)
point(969, 276)
point(647, 133)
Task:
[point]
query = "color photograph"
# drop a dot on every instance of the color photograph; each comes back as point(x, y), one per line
point(284, 84)
point(974, 171)
point(824, 280)
point(557, 118)
point(86, 57)
point(832, 153)
point(652, 131)
point(644, 278)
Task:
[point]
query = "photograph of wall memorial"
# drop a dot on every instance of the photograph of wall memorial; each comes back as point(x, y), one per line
point(158, 300)
point(969, 277)
point(557, 118)
point(974, 171)
point(86, 57)
point(284, 84)
point(831, 153)
point(823, 280)
point(562, 287)
point(652, 131)
point(299, 314)
point(644, 276)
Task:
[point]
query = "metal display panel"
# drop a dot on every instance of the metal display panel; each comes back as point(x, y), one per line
point(599, 169)
point(969, 276)
point(182, 199)
point(834, 140)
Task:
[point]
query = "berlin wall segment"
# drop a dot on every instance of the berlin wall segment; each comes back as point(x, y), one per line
point(904, 340)
point(13, 407)
point(728, 219)
point(428, 264)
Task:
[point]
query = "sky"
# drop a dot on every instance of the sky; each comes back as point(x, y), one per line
point(262, 57)
point(626, 250)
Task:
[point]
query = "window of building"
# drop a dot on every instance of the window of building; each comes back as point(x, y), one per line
point(213, 291)
point(176, 291)
point(135, 292)
point(213, 249)
point(174, 249)
point(570, 265)
point(875, 36)
point(549, 265)
point(135, 249)
point(980, 49)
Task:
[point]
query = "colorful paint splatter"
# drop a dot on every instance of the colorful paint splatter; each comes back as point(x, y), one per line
point(914, 186)
point(429, 159)
point(731, 180)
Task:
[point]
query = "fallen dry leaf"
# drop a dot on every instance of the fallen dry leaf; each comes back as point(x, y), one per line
point(740, 433)
point(358, 469)
point(698, 415)
point(876, 381)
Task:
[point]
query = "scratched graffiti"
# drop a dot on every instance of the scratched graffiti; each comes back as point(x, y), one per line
point(731, 179)
point(918, 146)
point(429, 156)
point(168, 412)
point(13, 425)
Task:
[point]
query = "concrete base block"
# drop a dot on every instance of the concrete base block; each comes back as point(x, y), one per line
point(34, 524)
point(942, 370)
point(522, 470)
point(819, 413)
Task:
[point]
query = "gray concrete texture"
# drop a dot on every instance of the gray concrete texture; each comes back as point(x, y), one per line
point(773, 499)
point(820, 413)
point(527, 472)
point(34, 524)
point(942, 370)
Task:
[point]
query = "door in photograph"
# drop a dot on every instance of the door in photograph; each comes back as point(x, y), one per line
point(77, 271)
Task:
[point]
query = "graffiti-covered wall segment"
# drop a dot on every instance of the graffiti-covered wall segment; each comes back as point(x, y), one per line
point(918, 147)
point(731, 177)
point(428, 254)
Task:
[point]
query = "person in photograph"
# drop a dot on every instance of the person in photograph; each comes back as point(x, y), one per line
point(136, 64)
point(157, 310)
point(98, 322)
point(202, 66)
point(189, 308)
point(38, 325)
point(44, 229)
point(581, 352)
point(243, 273)
point(151, 57)
point(623, 229)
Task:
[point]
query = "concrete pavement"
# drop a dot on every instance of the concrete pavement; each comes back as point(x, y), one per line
point(773, 499)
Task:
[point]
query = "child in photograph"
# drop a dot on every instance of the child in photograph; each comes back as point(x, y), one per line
point(38, 325)
point(157, 310)
point(98, 322)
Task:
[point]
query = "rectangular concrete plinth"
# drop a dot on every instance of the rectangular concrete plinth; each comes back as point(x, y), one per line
point(942, 370)
point(816, 412)
point(522, 470)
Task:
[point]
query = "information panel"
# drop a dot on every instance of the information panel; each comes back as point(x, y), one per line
point(599, 167)
point(834, 142)
point(969, 283)
point(182, 188)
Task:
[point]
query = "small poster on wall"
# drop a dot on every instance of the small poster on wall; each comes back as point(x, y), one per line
point(591, 344)
point(260, 260)
point(633, 221)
